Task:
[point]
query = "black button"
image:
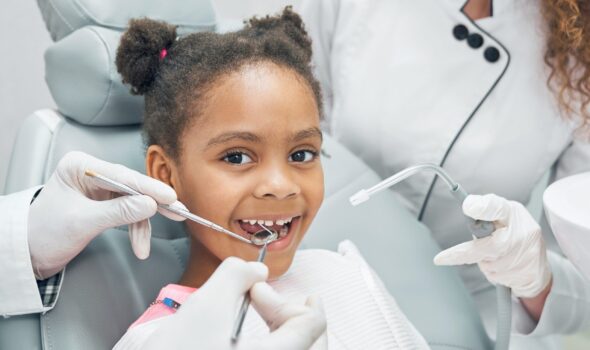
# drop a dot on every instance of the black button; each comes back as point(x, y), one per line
point(460, 32)
point(475, 40)
point(491, 54)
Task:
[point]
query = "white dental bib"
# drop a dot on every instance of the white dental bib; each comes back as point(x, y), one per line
point(360, 312)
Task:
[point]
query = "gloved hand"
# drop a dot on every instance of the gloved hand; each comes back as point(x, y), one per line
point(514, 255)
point(293, 326)
point(73, 208)
point(206, 318)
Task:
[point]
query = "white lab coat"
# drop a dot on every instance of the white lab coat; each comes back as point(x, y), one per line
point(400, 89)
point(18, 291)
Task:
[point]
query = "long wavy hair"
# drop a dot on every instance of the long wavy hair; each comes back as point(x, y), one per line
point(568, 56)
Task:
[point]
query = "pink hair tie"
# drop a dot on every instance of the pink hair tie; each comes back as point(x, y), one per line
point(163, 54)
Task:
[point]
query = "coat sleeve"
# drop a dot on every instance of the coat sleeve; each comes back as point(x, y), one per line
point(19, 293)
point(568, 304)
point(321, 20)
point(567, 307)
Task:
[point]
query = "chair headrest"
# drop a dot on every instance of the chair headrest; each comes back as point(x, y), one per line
point(80, 68)
point(63, 17)
point(82, 77)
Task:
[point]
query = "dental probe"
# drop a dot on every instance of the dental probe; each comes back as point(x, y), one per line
point(180, 211)
point(479, 228)
point(259, 240)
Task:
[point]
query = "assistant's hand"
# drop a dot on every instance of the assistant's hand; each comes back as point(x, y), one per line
point(206, 318)
point(514, 255)
point(293, 326)
point(74, 208)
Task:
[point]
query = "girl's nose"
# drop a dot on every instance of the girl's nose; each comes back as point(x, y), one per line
point(276, 182)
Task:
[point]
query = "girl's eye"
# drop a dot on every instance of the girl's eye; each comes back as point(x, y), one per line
point(238, 158)
point(302, 156)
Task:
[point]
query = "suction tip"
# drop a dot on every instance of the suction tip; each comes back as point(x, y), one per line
point(359, 197)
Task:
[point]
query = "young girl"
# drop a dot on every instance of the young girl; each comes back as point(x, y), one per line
point(232, 123)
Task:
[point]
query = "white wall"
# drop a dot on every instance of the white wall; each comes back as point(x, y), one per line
point(23, 39)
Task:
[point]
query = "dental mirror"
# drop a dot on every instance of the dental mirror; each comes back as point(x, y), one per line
point(264, 236)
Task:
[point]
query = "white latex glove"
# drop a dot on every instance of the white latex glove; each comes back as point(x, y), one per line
point(73, 208)
point(293, 326)
point(514, 255)
point(206, 318)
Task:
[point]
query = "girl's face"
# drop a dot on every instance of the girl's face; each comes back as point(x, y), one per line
point(251, 157)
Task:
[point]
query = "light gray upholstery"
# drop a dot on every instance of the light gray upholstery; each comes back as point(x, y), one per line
point(105, 288)
point(46, 136)
point(63, 17)
point(80, 68)
point(83, 80)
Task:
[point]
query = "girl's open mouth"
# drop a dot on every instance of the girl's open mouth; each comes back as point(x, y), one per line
point(281, 226)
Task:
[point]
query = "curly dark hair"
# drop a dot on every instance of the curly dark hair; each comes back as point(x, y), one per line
point(176, 86)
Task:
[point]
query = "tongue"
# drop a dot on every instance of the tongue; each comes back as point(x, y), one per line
point(251, 229)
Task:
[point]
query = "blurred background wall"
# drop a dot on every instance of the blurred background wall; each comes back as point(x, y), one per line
point(23, 39)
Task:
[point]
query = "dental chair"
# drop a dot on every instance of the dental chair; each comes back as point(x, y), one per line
point(106, 288)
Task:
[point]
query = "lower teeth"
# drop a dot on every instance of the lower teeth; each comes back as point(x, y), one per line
point(283, 231)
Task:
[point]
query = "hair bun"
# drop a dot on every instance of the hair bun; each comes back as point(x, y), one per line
point(288, 23)
point(138, 56)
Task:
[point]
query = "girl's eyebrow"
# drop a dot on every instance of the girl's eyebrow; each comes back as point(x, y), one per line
point(250, 137)
point(307, 133)
point(228, 136)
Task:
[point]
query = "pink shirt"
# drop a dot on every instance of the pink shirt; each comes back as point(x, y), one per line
point(156, 310)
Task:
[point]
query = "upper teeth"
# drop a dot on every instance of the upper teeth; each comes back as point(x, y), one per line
point(280, 222)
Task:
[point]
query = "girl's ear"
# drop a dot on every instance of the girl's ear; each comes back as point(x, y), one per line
point(160, 166)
